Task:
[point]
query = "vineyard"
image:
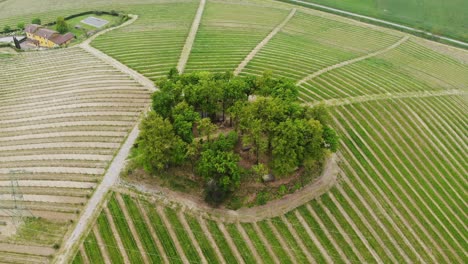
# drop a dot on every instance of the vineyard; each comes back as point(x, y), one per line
point(59, 131)
point(399, 104)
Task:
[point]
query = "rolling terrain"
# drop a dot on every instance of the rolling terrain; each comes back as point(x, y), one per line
point(399, 104)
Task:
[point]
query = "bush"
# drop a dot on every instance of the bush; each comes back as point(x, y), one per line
point(36, 21)
point(262, 198)
point(6, 29)
point(20, 25)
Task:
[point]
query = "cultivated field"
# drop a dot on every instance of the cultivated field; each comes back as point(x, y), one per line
point(447, 18)
point(63, 116)
point(398, 103)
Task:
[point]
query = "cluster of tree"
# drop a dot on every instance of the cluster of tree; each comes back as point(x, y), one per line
point(265, 116)
point(290, 134)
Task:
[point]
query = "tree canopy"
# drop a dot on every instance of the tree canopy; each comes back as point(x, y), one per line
point(264, 117)
point(61, 25)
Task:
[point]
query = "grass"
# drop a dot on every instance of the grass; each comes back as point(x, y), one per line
point(240, 243)
point(164, 236)
point(142, 230)
point(78, 259)
point(221, 242)
point(42, 231)
point(408, 139)
point(289, 239)
point(306, 239)
point(92, 249)
point(202, 240)
point(274, 243)
point(224, 38)
point(152, 45)
point(109, 239)
point(445, 18)
point(182, 236)
point(124, 231)
point(258, 243)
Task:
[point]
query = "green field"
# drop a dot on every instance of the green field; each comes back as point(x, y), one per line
point(447, 18)
point(398, 104)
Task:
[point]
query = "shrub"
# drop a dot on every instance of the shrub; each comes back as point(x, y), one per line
point(6, 28)
point(20, 25)
point(36, 21)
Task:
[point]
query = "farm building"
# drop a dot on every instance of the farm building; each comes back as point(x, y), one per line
point(48, 38)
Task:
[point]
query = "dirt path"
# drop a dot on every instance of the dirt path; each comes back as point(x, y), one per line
point(348, 62)
point(298, 240)
point(249, 243)
point(283, 243)
point(173, 235)
point(117, 237)
point(89, 213)
point(109, 179)
point(366, 98)
point(266, 243)
point(113, 62)
point(260, 45)
point(192, 237)
point(131, 225)
point(184, 56)
point(339, 11)
point(271, 209)
point(155, 237)
point(210, 238)
point(231, 243)
point(100, 241)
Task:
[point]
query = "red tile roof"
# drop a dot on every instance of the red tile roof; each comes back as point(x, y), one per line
point(49, 34)
point(60, 39)
point(31, 28)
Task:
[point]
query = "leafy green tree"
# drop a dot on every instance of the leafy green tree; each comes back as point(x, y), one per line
point(233, 91)
point(61, 26)
point(173, 74)
point(223, 142)
point(285, 145)
point(206, 128)
point(20, 25)
point(168, 96)
point(184, 117)
point(318, 112)
point(221, 172)
point(295, 141)
point(36, 21)
point(193, 152)
point(330, 138)
point(268, 111)
point(158, 145)
point(255, 137)
point(205, 96)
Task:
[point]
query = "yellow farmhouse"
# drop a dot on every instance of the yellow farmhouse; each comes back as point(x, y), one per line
point(48, 38)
